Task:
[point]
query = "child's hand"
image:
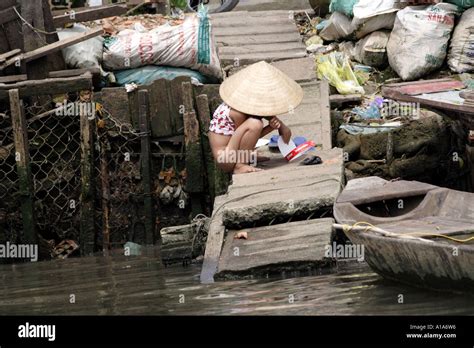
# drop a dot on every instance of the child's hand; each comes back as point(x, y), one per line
point(275, 123)
point(285, 133)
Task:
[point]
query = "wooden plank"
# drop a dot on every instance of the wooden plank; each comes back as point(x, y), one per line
point(55, 47)
point(4, 48)
point(394, 94)
point(160, 113)
point(175, 94)
point(56, 60)
point(215, 240)
point(73, 72)
point(273, 249)
point(339, 99)
point(194, 157)
point(13, 78)
point(7, 3)
point(430, 87)
point(47, 86)
point(7, 55)
point(26, 190)
point(204, 116)
point(145, 160)
point(7, 15)
point(87, 228)
point(89, 14)
point(32, 13)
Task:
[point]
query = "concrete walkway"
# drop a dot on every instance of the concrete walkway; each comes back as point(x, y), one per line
point(247, 37)
point(280, 199)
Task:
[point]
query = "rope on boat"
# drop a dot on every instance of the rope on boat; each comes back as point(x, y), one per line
point(370, 227)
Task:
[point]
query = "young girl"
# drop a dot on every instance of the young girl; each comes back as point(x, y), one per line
point(257, 92)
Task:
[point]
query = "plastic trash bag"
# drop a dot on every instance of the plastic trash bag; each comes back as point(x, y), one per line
point(148, 74)
point(344, 6)
point(461, 54)
point(462, 3)
point(372, 50)
point(86, 54)
point(189, 45)
point(374, 15)
point(338, 26)
point(336, 69)
point(419, 41)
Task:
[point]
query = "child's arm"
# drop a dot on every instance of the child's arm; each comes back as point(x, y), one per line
point(283, 129)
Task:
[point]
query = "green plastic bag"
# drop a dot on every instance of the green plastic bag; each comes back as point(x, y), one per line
point(346, 6)
point(462, 3)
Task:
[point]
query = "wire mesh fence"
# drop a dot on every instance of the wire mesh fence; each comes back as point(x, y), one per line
point(53, 128)
point(10, 215)
point(119, 188)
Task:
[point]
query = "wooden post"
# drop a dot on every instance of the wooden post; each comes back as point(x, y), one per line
point(204, 121)
point(87, 234)
point(105, 194)
point(218, 181)
point(22, 156)
point(32, 12)
point(145, 160)
point(194, 157)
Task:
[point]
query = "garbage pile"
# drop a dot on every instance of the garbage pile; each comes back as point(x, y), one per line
point(414, 41)
point(144, 48)
point(363, 45)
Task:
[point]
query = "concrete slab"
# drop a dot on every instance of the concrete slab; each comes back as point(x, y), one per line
point(283, 192)
point(271, 249)
point(300, 70)
point(249, 37)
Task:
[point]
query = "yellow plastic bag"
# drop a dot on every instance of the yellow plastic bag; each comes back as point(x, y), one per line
point(336, 69)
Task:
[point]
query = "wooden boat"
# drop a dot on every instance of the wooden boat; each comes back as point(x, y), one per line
point(411, 231)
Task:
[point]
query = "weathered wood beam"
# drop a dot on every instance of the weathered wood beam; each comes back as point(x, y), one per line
point(32, 88)
point(194, 157)
point(22, 156)
point(7, 55)
point(51, 48)
point(13, 78)
point(145, 160)
point(73, 72)
point(7, 3)
point(90, 14)
point(87, 230)
point(55, 61)
point(7, 15)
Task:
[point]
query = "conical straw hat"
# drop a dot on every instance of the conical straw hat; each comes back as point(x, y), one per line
point(261, 90)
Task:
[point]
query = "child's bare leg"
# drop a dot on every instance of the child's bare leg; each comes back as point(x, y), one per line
point(241, 148)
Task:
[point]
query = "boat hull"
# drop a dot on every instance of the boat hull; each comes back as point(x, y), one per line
point(424, 263)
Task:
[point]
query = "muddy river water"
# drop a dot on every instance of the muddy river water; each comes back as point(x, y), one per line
point(120, 285)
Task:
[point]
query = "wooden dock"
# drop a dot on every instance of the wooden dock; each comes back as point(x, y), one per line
point(286, 209)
